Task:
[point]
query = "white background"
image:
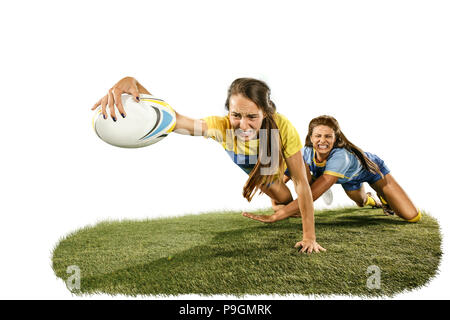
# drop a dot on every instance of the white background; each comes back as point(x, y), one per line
point(380, 67)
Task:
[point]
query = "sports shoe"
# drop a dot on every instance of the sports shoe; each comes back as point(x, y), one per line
point(378, 204)
point(386, 208)
point(327, 197)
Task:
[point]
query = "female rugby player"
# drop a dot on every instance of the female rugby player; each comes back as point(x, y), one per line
point(331, 158)
point(259, 140)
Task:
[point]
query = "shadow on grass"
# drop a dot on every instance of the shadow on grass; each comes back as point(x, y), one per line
point(213, 268)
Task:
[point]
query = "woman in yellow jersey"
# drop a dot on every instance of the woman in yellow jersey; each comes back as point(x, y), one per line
point(257, 138)
point(331, 158)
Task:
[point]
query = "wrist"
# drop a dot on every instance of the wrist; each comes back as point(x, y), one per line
point(141, 89)
point(307, 237)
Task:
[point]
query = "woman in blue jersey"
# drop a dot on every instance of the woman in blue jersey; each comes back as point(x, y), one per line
point(251, 125)
point(331, 158)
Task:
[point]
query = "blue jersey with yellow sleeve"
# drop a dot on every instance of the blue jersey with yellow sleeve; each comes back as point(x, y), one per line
point(340, 163)
point(245, 153)
point(344, 165)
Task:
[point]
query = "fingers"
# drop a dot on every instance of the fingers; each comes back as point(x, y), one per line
point(260, 218)
point(250, 215)
point(306, 249)
point(303, 247)
point(118, 99)
point(318, 249)
point(104, 101)
point(299, 245)
point(112, 111)
point(134, 91)
point(114, 97)
point(97, 104)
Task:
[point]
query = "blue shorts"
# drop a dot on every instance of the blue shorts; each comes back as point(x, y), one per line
point(367, 176)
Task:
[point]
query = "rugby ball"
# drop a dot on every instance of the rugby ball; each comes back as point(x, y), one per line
point(146, 122)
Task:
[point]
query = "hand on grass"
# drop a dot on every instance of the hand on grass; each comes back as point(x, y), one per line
point(259, 217)
point(113, 97)
point(309, 246)
point(269, 218)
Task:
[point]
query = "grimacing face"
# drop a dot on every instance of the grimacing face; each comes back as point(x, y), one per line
point(245, 117)
point(323, 139)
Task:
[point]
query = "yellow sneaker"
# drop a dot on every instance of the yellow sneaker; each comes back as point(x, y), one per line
point(372, 201)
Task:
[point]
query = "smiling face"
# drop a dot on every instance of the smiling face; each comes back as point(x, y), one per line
point(245, 117)
point(323, 139)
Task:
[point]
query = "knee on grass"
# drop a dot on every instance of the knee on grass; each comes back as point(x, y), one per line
point(361, 203)
point(416, 218)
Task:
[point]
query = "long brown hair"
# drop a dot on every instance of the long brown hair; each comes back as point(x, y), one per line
point(259, 92)
point(341, 141)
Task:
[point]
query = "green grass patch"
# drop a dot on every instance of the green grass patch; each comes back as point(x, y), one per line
point(227, 254)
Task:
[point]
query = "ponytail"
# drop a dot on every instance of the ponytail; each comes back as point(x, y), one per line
point(256, 179)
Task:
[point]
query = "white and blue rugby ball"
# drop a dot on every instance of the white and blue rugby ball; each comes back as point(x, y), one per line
point(146, 122)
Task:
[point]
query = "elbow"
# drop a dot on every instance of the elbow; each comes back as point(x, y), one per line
point(301, 186)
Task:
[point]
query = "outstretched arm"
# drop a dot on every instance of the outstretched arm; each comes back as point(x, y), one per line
point(189, 126)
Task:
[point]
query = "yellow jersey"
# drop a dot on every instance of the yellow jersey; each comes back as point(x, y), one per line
point(245, 153)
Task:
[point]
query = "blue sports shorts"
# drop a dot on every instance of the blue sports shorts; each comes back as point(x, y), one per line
point(367, 176)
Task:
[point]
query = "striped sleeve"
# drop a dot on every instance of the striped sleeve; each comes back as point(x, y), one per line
point(289, 136)
point(338, 164)
point(217, 127)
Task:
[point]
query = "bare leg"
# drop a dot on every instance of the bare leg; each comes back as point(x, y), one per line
point(359, 196)
point(396, 197)
point(276, 206)
point(280, 196)
point(279, 192)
